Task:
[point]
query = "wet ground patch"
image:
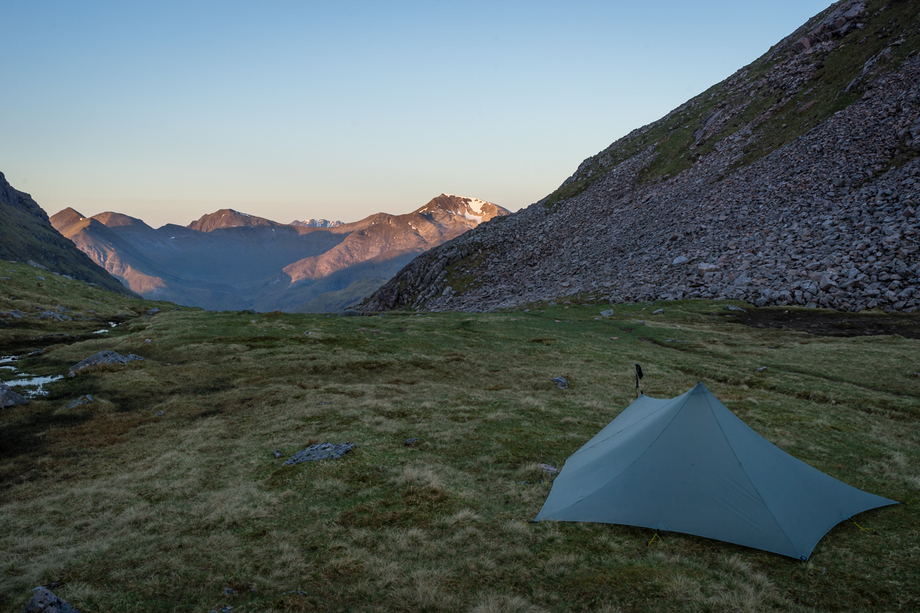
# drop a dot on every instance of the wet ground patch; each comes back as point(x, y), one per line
point(828, 323)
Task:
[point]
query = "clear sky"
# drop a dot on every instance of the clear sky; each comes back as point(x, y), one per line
point(289, 110)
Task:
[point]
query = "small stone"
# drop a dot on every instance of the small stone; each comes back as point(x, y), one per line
point(44, 601)
point(561, 383)
point(705, 267)
point(159, 414)
point(322, 451)
point(277, 454)
point(607, 313)
point(349, 313)
point(658, 312)
point(411, 442)
point(153, 311)
point(614, 338)
point(761, 369)
point(147, 341)
point(732, 307)
point(550, 470)
point(84, 399)
point(679, 260)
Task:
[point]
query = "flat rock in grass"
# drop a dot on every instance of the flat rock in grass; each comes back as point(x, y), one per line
point(45, 601)
point(548, 469)
point(322, 451)
point(607, 313)
point(84, 399)
point(561, 383)
point(9, 398)
point(103, 357)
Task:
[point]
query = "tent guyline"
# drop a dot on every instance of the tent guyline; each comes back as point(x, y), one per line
point(689, 465)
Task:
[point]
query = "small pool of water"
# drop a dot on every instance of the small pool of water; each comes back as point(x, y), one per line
point(30, 386)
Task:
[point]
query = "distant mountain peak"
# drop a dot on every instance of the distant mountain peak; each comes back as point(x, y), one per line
point(228, 218)
point(472, 209)
point(317, 223)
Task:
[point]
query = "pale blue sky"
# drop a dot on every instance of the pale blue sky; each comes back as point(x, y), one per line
point(290, 110)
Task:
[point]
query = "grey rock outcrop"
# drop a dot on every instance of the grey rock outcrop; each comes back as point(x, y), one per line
point(44, 601)
point(103, 357)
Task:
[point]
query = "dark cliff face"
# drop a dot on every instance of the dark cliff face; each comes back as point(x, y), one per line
point(26, 234)
point(794, 181)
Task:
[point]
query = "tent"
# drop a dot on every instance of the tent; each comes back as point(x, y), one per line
point(689, 465)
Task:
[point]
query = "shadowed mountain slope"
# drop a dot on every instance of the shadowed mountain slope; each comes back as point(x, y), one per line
point(794, 181)
point(230, 260)
point(26, 234)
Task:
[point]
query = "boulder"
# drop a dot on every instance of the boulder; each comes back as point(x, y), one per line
point(103, 357)
point(43, 600)
point(9, 398)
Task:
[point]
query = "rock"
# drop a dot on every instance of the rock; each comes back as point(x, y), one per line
point(43, 600)
point(103, 357)
point(761, 369)
point(84, 399)
point(50, 315)
point(704, 267)
point(658, 312)
point(322, 451)
point(732, 307)
point(159, 414)
point(607, 313)
point(679, 260)
point(411, 441)
point(550, 470)
point(9, 398)
point(349, 313)
point(152, 311)
point(147, 341)
point(277, 454)
point(561, 383)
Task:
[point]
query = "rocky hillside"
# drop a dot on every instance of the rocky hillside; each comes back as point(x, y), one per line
point(794, 181)
point(229, 260)
point(26, 235)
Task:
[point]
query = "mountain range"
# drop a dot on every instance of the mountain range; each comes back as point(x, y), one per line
point(228, 260)
point(792, 182)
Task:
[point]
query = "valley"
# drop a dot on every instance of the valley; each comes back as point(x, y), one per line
point(234, 261)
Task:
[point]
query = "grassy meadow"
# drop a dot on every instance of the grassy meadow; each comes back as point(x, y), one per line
point(167, 494)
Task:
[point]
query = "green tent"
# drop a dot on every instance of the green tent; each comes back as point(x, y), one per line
point(689, 465)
